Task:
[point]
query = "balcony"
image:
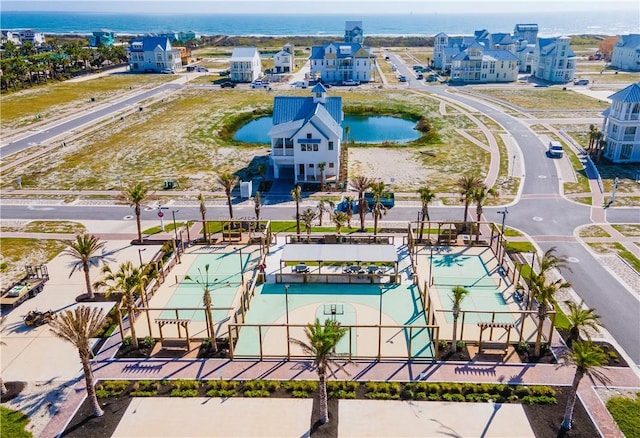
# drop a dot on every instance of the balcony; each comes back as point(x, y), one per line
point(280, 152)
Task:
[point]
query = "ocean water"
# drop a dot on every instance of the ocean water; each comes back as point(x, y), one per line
point(549, 24)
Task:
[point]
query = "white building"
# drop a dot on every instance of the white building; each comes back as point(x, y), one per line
point(626, 53)
point(622, 126)
point(476, 64)
point(353, 32)
point(284, 60)
point(153, 54)
point(306, 131)
point(553, 60)
point(245, 64)
point(9, 36)
point(35, 38)
point(337, 62)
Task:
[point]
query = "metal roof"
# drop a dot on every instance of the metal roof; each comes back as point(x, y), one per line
point(289, 108)
point(339, 253)
point(243, 53)
point(630, 94)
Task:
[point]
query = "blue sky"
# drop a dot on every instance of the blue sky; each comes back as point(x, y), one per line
point(361, 7)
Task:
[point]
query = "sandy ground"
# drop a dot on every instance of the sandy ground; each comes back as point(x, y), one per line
point(406, 174)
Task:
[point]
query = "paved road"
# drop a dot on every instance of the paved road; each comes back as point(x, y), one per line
point(540, 212)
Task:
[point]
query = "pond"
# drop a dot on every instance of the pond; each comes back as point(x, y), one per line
point(363, 129)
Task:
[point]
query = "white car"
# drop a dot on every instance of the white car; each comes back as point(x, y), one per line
point(555, 149)
point(350, 82)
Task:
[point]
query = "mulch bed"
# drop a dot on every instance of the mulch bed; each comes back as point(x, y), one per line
point(127, 351)
point(99, 298)
point(545, 420)
point(445, 354)
point(13, 390)
point(85, 425)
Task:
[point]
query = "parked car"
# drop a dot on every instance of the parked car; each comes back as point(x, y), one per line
point(581, 82)
point(419, 76)
point(202, 69)
point(555, 149)
point(402, 78)
point(167, 71)
point(258, 84)
point(228, 84)
point(350, 82)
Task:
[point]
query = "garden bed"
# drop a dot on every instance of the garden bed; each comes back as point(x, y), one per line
point(543, 405)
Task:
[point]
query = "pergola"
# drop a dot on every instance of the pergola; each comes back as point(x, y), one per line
point(339, 253)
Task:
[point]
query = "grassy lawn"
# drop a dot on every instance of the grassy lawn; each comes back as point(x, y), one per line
point(168, 227)
point(582, 185)
point(16, 253)
point(626, 412)
point(618, 248)
point(12, 424)
point(544, 99)
point(520, 247)
point(187, 137)
point(629, 230)
point(21, 108)
point(593, 231)
point(561, 321)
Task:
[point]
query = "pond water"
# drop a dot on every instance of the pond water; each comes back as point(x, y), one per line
point(363, 129)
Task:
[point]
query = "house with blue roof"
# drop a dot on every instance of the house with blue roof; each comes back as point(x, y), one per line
point(626, 53)
point(353, 32)
point(245, 64)
point(306, 131)
point(102, 37)
point(553, 60)
point(621, 126)
point(153, 54)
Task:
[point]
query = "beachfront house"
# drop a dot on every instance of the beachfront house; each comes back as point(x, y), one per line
point(284, 60)
point(621, 126)
point(102, 37)
point(153, 54)
point(245, 64)
point(626, 53)
point(476, 64)
point(353, 32)
point(190, 35)
point(36, 38)
point(338, 62)
point(306, 131)
point(12, 37)
point(553, 60)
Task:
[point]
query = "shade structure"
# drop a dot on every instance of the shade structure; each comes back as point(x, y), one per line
point(339, 253)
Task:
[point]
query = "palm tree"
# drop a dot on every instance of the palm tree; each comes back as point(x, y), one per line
point(466, 185)
point(379, 209)
point(228, 181)
point(349, 204)
point(458, 295)
point(544, 292)
point(296, 194)
point(322, 166)
point(340, 220)
point(586, 357)
point(324, 206)
point(203, 213)
point(256, 205)
point(206, 289)
point(262, 170)
point(360, 184)
point(77, 326)
point(85, 251)
point(129, 281)
point(551, 261)
point(134, 196)
point(307, 217)
point(426, 197)
point(321, 344)
point(480, 196)
point(581, 318)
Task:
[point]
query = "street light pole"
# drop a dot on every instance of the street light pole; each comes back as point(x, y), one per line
point(140, 255)
point(286, 301)
point(380, 318)
point(504, 214)
point(175, 230)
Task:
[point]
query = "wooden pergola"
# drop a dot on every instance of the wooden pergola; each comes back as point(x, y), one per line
point(491, 325)
point(184, 323)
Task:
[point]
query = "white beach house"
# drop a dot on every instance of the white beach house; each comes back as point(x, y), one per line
point(283, 61)
point(245, 64)
point(475, 64)
point(622, 126)
point(553, 60)
point(306, 131)
point(153, 54)
point(626, 53)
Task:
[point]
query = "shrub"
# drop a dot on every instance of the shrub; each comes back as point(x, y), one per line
point(184, 393)
point(522, 391)
point(512, 398)
point(257, 393)
point(300, 385)
point(206, 344)
point(434, 397)
point(262, 385)
point(224, 393)
point(146, 385)
point(544, 348)
point(111, 388)
point(150, 393)
point(147, 342)
point(522, 347)
point(341, 393)
point(420, 396)
point(540, 400)
point(453, 397)
point(547, 391)
point(625, 411)
point(126, 342)
point(442, 345)
point(382, 396)
point(406, 394)
point(181, 384)
point(613, 355)
point(222, 384)
point(300, 394)
point(460, 345)
point(433, 388)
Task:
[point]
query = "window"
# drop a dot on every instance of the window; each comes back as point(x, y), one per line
point(308, 135)
point(330, 145)
point(303, 147)
point(625, 152)
point(330, 165)
point(311, 166)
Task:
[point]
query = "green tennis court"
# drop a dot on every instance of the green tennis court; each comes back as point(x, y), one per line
point(223, 278)
point(469, 271)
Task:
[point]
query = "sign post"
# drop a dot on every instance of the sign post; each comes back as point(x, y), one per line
point(161, 216)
